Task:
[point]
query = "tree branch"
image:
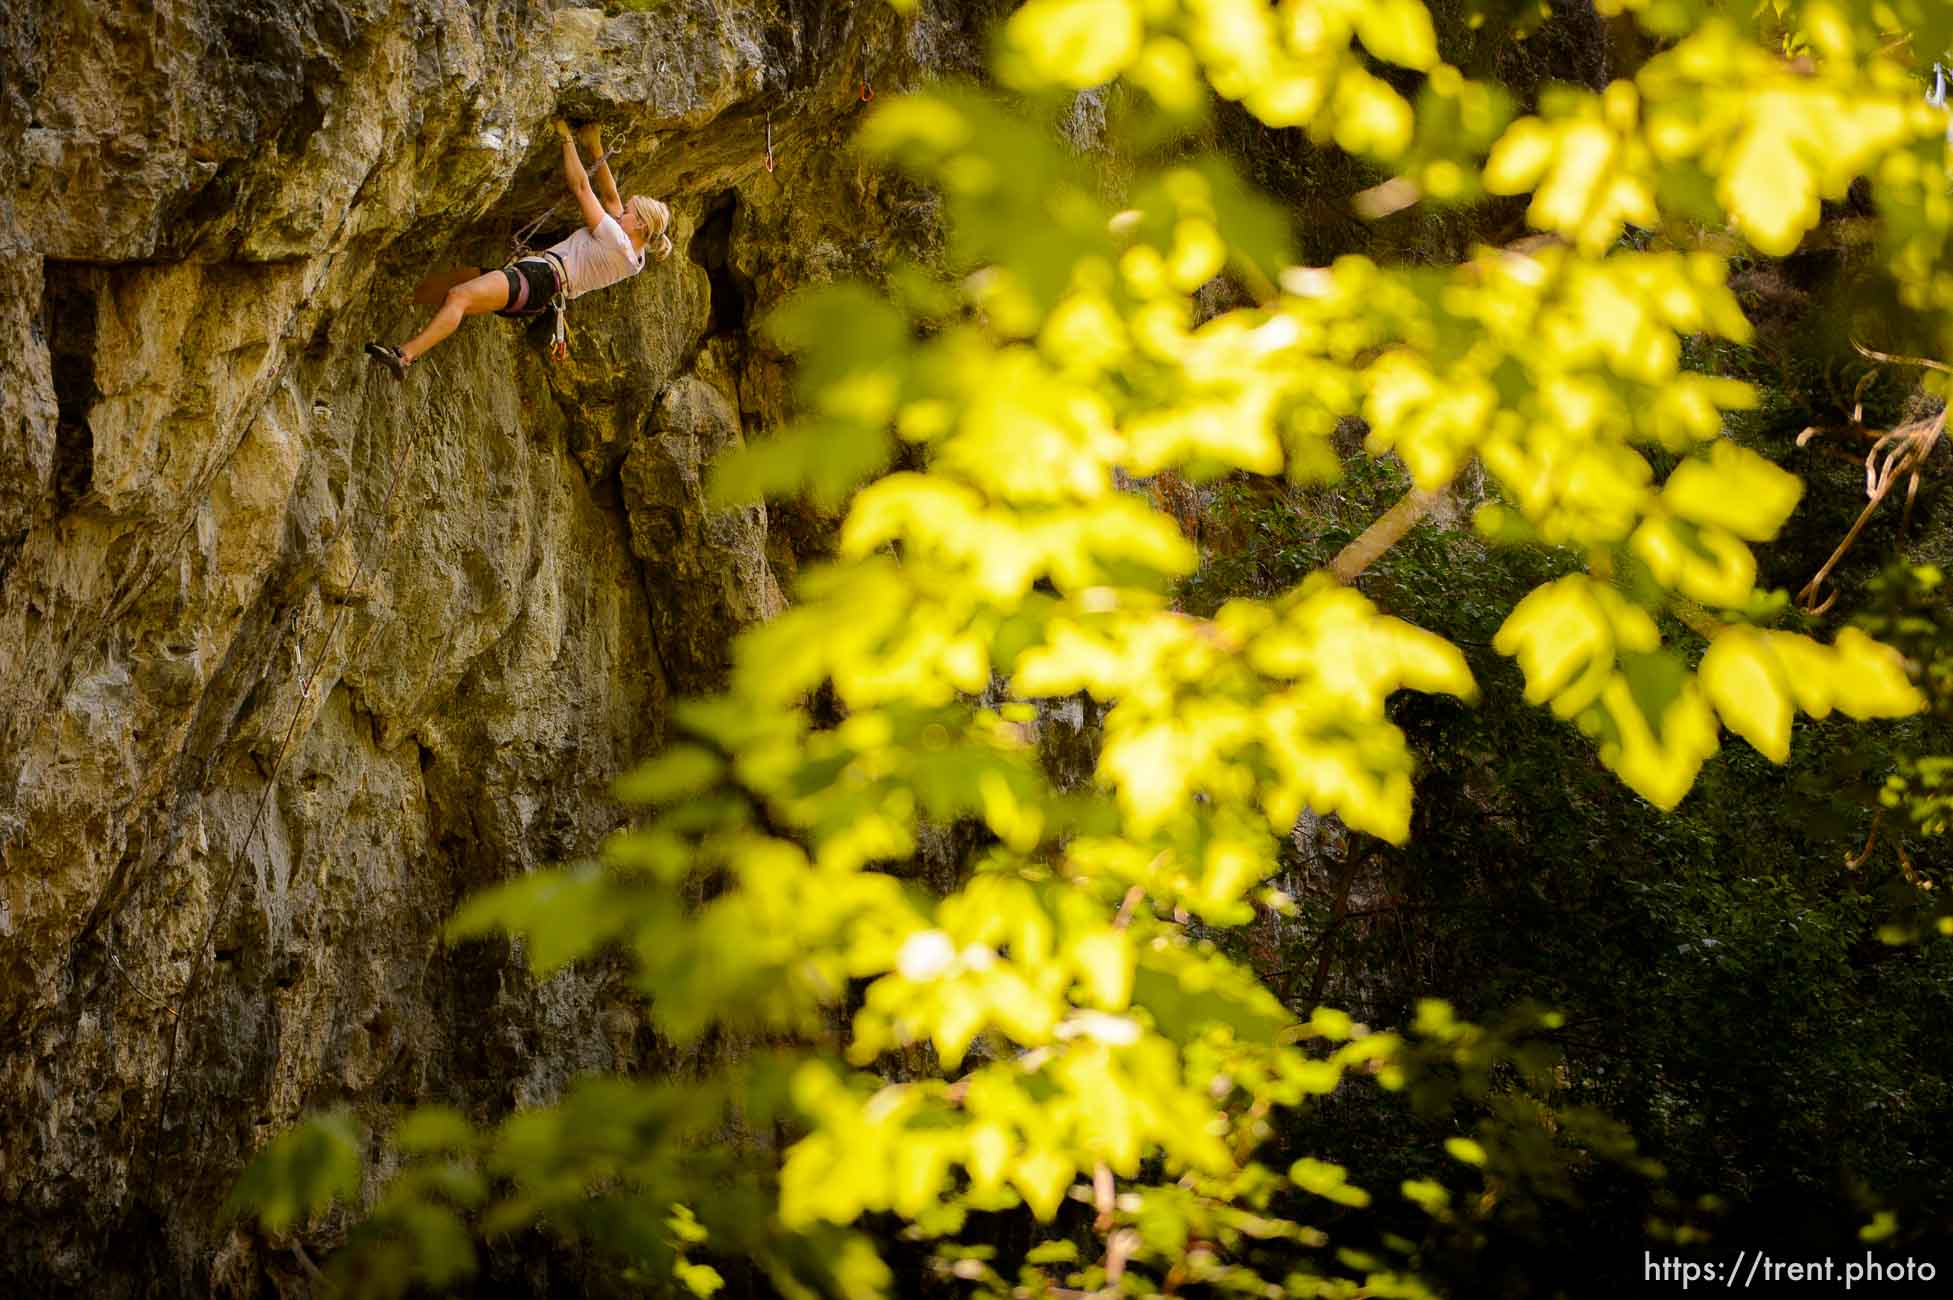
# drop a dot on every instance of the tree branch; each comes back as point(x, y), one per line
point(1390, 527)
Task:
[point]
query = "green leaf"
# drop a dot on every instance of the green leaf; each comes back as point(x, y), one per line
point(443, 1251)
point(1187, 992)
point(431, 1130)
point(1052, 1252)
point(679, 773)
point(301, 1173)
point(562, 915)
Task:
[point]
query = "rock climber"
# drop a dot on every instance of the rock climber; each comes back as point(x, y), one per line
point(610, 247)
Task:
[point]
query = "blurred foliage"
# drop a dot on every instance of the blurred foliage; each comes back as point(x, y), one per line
point(1013, 1026)
point(1910, 610)
point(1729, 978)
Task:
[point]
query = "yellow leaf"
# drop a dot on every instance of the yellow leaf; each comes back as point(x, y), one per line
point(1371, 118)
point(990, 1151)
point(1707, 565)
point(1327, 1180)
point(1105, 965)
point(1025, 1012)
point(1398, 31)
point(1557, 632)
point(1042, 1175)
point(1658, 758)
point(1745, 682)
point(1520, 157)
point(1809, 668)
point(1165, 69)
point(1197, 255)
point(1581, 161)
point(1423, 661)
point(1231, 868)
point(1150, 770)
point(1076, 43)
point(1871, 679)
point(1734, 489)
point(1766, 186)
point(1086, 333)
point(1330, 1023)
point(958, 1019)
point(921, 1169)
point(915, 122)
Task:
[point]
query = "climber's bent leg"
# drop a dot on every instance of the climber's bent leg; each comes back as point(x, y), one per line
point(476, 297)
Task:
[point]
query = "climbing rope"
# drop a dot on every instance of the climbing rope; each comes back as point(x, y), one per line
point(220, 899)
point(519, 244)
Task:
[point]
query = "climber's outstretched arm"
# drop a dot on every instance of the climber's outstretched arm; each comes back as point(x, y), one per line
point(578, 179)
point(590, 136)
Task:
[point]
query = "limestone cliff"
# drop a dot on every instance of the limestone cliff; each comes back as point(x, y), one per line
point(466, 598)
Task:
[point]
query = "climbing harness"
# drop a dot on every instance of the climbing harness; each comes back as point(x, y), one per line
point(521, 248)
point(769, 140)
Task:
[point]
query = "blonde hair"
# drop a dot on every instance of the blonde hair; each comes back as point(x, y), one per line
point(656, 219)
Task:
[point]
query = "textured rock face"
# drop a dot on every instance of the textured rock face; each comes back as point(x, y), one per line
point(292, 656)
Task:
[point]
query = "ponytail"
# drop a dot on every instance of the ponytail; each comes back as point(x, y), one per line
point(655, 216)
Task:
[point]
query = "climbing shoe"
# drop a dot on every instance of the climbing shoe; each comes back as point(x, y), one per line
point(390, 358)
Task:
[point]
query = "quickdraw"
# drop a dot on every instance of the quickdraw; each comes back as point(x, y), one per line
point(559, 335)
point(559, 308)
point(867, 88)
point(769, 141)
point(519, 241)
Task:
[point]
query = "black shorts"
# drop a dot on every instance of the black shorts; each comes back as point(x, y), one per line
point(532, 283)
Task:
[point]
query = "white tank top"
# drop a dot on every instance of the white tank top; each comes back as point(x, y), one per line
point(596, 258)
